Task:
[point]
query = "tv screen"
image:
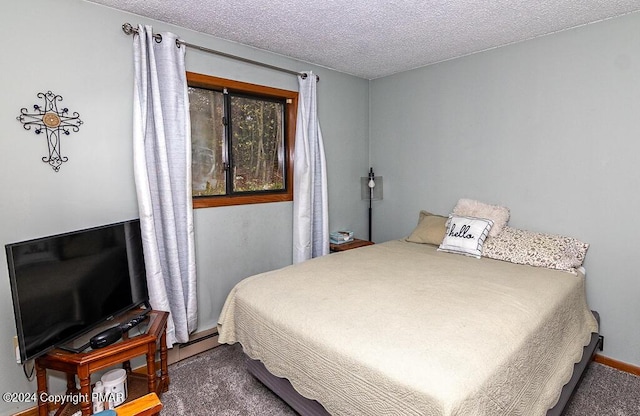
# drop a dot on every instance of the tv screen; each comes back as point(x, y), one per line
point(65, 285)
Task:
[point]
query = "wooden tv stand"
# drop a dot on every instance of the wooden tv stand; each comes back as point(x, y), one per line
point(85, 363)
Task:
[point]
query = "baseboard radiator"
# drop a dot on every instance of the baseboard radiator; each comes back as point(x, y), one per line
point(198, 342)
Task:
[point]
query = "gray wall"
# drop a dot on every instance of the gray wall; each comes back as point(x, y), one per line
point(549, 128)
point(77, 49)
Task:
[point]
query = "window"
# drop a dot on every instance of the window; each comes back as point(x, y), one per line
point(241, 142)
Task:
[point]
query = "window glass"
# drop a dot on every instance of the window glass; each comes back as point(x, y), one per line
point(207, 142)
point(257, 144)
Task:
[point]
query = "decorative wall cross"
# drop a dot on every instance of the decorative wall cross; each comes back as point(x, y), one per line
point(48, 119)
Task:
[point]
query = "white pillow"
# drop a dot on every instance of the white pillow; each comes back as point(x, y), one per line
point(465, 235)
point(472, 208)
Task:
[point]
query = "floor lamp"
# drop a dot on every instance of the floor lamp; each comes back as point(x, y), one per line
point(371, 190)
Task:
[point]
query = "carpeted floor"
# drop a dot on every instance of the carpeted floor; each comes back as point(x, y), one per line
point(216, 383)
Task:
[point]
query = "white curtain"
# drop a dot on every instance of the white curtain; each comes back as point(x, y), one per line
point(310, 202)
point(162, 169)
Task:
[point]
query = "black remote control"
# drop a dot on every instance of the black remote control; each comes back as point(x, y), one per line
point(136, 320)
point(111, 335)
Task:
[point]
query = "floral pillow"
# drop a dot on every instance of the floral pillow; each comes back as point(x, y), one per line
point(536, 249)
point(465, 235)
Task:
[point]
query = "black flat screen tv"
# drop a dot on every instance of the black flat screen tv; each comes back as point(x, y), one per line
point(65, 285)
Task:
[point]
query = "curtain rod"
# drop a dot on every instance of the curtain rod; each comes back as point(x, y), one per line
point(130, 30)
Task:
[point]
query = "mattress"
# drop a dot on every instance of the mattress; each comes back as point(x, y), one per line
point(400, 328)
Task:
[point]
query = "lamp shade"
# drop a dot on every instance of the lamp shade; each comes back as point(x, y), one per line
point(365, 190)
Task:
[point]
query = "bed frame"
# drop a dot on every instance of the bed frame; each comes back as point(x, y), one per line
point(307, 407)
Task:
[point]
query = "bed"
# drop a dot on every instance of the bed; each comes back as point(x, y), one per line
point(402, 328)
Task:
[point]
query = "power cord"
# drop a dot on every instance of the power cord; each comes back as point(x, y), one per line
point(33, 369)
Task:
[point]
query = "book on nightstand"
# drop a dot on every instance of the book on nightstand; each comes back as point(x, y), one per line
point(341, 237)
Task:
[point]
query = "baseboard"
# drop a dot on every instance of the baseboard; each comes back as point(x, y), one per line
point(33, 411)
point(198, 342)
point(618, 365)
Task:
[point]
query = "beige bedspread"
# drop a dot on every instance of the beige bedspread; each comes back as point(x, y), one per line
point(401, 329)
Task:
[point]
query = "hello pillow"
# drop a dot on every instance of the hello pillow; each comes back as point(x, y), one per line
point(465, 235)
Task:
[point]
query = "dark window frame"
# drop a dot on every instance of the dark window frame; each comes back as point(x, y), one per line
point(290, 113)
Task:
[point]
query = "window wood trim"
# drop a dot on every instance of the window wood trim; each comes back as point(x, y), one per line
point(291, 109)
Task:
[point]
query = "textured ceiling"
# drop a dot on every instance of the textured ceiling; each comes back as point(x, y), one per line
point(375, 38)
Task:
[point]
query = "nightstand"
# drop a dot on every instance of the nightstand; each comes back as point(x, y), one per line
point(83, 364)
point(356, 243)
